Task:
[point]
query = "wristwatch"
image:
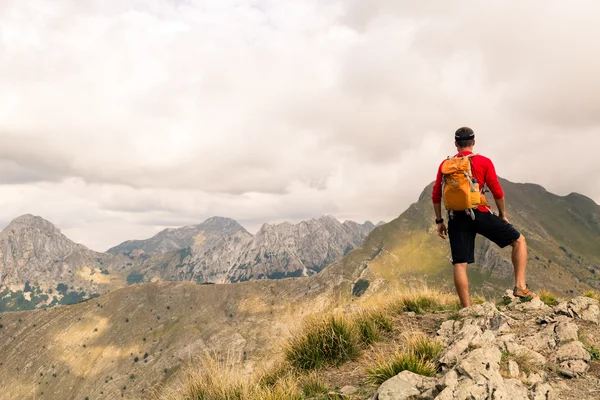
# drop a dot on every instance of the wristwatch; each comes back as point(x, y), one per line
point(439, 221)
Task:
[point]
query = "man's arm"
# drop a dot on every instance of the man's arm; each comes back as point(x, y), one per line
point(436, 197)
point(492, 182)
point(501, 204)
point(441, 228)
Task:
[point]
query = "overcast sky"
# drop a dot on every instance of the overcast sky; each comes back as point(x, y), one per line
point(121, 118)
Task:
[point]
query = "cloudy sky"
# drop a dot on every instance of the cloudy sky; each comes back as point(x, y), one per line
point(121, 118)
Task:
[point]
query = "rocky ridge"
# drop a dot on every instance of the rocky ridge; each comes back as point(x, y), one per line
point(233, 255)
point(525, 351)
point(35, 257)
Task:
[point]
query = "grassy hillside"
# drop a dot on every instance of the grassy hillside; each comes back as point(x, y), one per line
point(130, 340)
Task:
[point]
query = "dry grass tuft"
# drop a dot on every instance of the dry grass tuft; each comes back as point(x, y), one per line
point(419, 355)
point(424, 347)
point(373, 325)
point(548, 298)
point(386, 367)
point(592, 294)
point(421, 300)
point(322, 341)
point(312, 385)
point(212, 379)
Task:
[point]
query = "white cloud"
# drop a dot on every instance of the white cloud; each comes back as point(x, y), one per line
point(120, 118)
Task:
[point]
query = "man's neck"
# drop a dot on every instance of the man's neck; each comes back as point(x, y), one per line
point(463, 149)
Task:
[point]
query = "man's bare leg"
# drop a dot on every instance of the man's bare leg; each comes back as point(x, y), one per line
point(519, 260)
point(461, 281)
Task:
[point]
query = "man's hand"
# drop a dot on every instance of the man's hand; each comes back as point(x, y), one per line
point(504, 218)
point(442, 231)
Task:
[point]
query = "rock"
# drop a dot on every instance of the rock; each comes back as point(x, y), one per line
point(481, 365)
point(404, 385)
point(566, 373)
point(572, 351)
point(513, 369)
point(520, 350)
point(450, 380)
point(485, 315)
point(348, 390)
point(448, 329)
point(586, 309)
point(428, 394)
point(563, 309)
point(461, 342)
point(512, 389)
point(411, 313)
point(577, 367)
point(543, 391)
point(467, 389)
point(533, 304)
point(535, 378)
point(542, 340)
point(566, 332)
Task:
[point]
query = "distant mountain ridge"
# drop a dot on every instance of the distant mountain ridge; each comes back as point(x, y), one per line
point(173, 239)
point(39, 266)
point(222, 251)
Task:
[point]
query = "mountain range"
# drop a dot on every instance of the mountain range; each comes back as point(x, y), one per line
point(39, 266)
point(127, 342)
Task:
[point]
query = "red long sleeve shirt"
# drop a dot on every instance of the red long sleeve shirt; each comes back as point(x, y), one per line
point(483, 170)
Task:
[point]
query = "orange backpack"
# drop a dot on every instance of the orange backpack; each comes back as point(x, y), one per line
point(461, 191)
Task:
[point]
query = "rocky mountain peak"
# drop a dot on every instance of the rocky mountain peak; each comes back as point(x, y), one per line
point(223, 224)
point(29, 221)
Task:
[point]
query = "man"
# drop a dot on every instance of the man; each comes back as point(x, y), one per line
point(463, 226)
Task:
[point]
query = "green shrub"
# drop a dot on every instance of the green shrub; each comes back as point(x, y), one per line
point(323, 341)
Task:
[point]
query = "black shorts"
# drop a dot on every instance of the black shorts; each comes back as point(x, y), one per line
point(462, 230)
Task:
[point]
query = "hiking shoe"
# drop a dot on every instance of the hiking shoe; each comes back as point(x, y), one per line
point(524, 293)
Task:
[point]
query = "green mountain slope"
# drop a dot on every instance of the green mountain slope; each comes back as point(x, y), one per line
point(563, 234)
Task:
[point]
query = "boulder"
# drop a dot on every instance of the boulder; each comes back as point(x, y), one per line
point(572, 351)
point(532, 305)
point(572, 368)
point(543, 340)
point(543, 391)
point(566, 332)
point(469, 335)
point(348, 390)
point(481, 365)
point(586, 309)
point(485, 315)
point(404, 386)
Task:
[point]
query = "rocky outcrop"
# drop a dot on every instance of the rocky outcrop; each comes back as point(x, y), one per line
point(222, 251)
point(286, 249)
point(503, 354)
point(35, 257)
